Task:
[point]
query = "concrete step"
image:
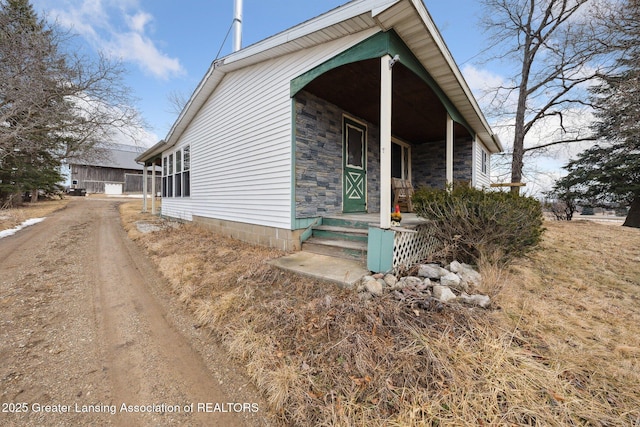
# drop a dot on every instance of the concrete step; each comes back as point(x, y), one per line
point(356, 250)
point(344, 272)
point(346, 223)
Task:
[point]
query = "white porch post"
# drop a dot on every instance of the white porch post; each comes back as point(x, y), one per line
point(153, 188)
point(449, 151)
point(144, 188)
point(385, 141)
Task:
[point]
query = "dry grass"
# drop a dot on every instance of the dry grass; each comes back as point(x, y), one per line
point(10, 218)
point(561, 346)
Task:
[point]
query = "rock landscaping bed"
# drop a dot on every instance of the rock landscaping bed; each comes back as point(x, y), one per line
point(431, 283)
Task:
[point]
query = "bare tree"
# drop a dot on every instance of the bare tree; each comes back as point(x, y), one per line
point(559, 53)
point(177, 101)
point(53, 100)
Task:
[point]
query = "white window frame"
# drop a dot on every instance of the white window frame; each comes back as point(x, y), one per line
point(484, 161)
point(405, 148)
point(186, 170)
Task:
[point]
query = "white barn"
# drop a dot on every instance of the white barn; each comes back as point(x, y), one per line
point(314, 122)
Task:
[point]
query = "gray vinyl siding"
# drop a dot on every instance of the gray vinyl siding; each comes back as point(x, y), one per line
point(241, 159)
point(483, 180)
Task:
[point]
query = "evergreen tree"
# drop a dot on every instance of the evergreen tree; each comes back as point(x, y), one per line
point(54, 104)
point(27, 91)
point(610, 171)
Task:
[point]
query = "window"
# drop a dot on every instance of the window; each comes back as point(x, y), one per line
point(485, 161)
point(178, 176)
point(176, 179)
point(164, 177)
point(400, 160)
point(170, 177)
point(186, 165)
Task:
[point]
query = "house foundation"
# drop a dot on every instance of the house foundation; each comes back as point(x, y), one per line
point(279, 238)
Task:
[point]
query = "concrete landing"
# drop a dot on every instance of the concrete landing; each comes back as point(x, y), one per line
point(343, 272)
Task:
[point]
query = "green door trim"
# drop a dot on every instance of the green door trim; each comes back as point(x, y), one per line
point(354, 176)
point(377, 46)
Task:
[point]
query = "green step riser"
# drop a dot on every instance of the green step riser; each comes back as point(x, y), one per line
point(339, 236)
point(338, 252)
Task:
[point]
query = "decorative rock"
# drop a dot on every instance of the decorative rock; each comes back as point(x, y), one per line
point(382, 283)
point(452, 280)
point(390, 280)
point(373, 287)
point(469, 276)
point(411, 281)
point(478, 300)
point(455, 266)
point(443, 293)
point(378, 276)
point(426, 284)
point(431, 271)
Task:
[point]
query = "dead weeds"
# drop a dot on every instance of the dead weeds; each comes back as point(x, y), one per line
point(562, 348)
point(9, 218)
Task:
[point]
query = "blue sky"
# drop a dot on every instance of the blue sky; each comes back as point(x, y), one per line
point(167, 45)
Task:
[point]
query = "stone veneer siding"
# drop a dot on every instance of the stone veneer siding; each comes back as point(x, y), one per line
point(318, 151)
point(428, 163)
point(463, 160)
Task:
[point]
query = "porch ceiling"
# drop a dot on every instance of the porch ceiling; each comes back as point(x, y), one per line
point(417, 114)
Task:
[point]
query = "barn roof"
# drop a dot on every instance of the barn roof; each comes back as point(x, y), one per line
point(116, 157)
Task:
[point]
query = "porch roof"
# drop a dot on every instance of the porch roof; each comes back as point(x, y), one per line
point(408, 18)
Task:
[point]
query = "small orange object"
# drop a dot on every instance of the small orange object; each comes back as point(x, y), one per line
point(397, 209)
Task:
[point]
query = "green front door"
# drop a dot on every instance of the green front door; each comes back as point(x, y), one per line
point(354, 154)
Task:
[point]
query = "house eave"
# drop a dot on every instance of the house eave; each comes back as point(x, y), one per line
point(409, 18)
point(406, 18)
point(152, 152)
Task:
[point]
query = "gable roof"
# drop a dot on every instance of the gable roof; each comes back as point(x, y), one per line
point(118, 156)
point(408, 18)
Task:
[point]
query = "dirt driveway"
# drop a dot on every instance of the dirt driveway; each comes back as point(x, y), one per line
point(87, 336)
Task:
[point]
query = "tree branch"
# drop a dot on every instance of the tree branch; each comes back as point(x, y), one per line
point(563, 141)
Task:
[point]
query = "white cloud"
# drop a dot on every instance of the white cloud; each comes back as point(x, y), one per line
point(135, 47)
point(118, 27)
point(136, 136)
point(481, 80)
point(484, 84)
point(138, 21)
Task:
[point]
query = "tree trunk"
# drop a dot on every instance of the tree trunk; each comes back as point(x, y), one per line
point(518, 140)
point(34, 195)
point(517, 163)
point(633, 218)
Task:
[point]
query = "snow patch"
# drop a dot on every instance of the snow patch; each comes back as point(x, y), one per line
point(12, 231)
